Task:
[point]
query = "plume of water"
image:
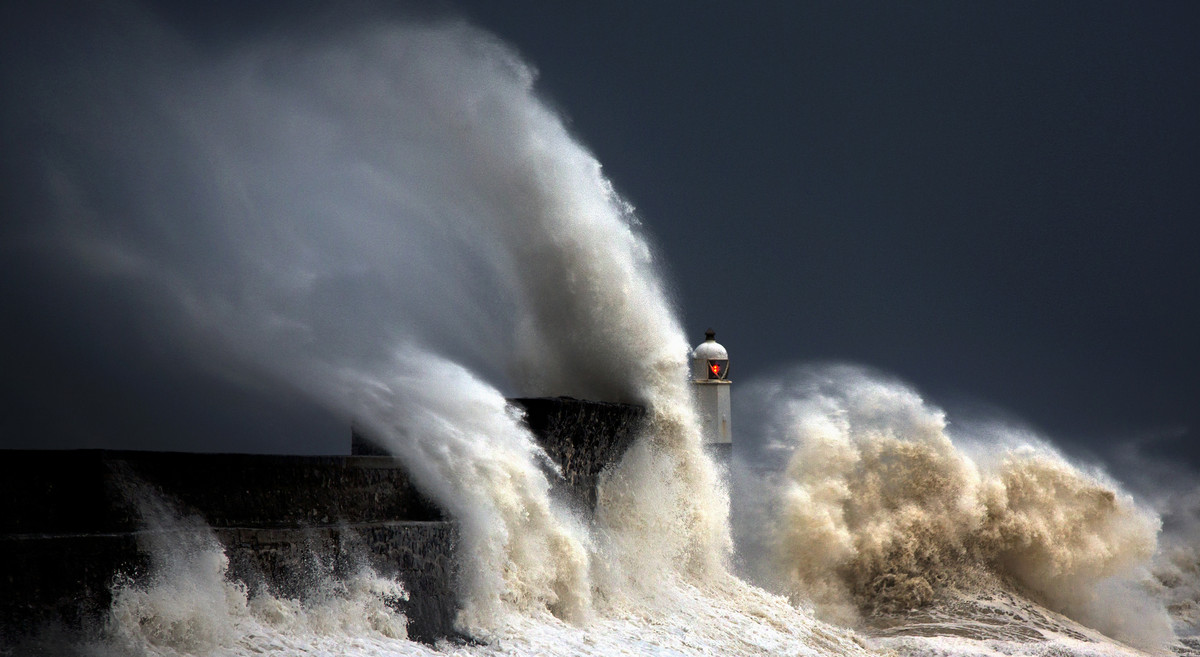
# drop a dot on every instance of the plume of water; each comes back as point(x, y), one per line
point(186, 604)
point(385, 218)
point(881, 507)
point(1173, 489)
point(469, 449)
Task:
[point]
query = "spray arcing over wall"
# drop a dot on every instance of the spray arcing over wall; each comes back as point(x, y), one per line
point(469, 449)
point(187, 604)
point(385, 218)
point(879, 508)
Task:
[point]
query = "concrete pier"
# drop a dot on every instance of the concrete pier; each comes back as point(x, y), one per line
point(72, 522)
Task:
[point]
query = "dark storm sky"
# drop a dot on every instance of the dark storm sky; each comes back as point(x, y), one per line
point(996, 202)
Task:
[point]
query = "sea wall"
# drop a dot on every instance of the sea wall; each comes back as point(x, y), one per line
point(72, 522)
point(583, 438)
point(76, 520)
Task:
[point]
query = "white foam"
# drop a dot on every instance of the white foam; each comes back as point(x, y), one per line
point(389, 219)
point(878, 510)
point(725, 617)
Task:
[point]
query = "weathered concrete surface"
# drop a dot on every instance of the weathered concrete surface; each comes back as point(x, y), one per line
point(72, 521)
point(296, 563)
point(68, 580)
point(582, 437)
point(89, 491)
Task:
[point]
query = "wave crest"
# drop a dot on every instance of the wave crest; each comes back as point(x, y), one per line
point(881, 508)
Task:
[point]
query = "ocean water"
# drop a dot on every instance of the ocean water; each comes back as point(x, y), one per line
point(920, 570)
point(389, 219)
point(871, 502)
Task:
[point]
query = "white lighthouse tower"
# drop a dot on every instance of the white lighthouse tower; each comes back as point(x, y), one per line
point(710, 384)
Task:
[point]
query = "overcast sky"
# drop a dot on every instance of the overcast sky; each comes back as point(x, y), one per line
point(996, 202)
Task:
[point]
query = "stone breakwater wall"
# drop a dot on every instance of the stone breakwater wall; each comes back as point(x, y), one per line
point(73, 522)
point(583, 438)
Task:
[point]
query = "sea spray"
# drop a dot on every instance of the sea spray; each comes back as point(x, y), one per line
point(290, 213)
point(1177, 571)
point(1076, 541)
point(1172, 488)
point(472, 453)
point(878, 509)
point(186, 603)
point(597, 323)
point(663, 512)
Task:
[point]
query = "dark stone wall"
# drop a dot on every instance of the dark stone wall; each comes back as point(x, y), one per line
point(67, 580)
point(294, 562)
point(90, 491)
point(71, 522)
point(61, 579)
point(74, 520)
point(582, 437)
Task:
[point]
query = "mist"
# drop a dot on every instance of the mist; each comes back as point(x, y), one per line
point(249, 245)
point(222, 222)
point(859, 496)
point(386, 221)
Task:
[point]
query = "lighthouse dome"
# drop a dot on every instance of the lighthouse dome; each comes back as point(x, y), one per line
point(710, 360)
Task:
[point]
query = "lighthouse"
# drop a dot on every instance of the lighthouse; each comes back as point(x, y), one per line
point(710, 385)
